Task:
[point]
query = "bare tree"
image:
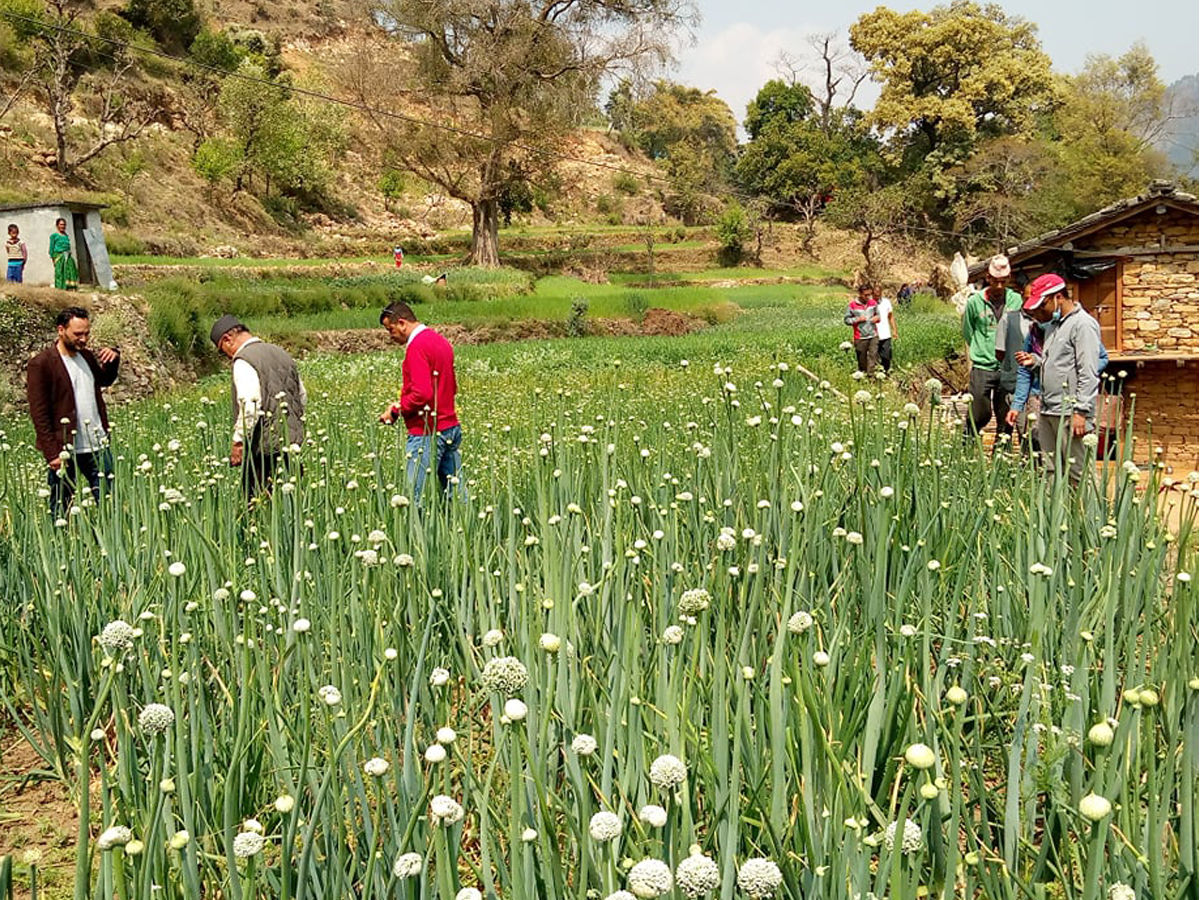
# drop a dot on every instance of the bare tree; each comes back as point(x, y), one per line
point(495, 85)
point(64, 57)
point(829, 69)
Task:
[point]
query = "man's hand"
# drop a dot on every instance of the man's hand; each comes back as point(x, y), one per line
point(1024, 359)
point(389, 415)
point(55, 464)
point(1011, 417)
point(1078, 425)
point(235, 454)
point(105, 355)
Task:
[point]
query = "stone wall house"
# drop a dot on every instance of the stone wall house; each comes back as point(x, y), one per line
point(36, 222)
point(1135, 267)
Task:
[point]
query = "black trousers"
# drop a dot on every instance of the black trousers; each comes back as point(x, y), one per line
point(259, 471)
point(95, 468)
point(885, 354)
point(988, 397)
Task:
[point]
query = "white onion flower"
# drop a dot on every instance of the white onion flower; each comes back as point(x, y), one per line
point(515, 709)
point(604, 826)
point(445, 810)
point(697, 875)
point(504, 675)
point(469, 893)
point(1100, 734)
point(1120, 891)
point(247, 844)
point(330, 695)
point(408, 865)
point(376, 766)
point(911, 840)
point(492, 637)
point(446, 735)
point(583, 744)
point(550, 642)
point(667, 771)
point(176, 569)
point(650, 878)
point(285, 803)
point(672, 634)
point(694, 602)
point(653, 815)
point(439, 677)
point(799, 622)
point(114, 836)
point(116, 637)
point(759, 878)
point(435, 753)
point(156, 718)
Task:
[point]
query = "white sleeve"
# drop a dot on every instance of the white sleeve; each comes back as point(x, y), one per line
point(249, 394)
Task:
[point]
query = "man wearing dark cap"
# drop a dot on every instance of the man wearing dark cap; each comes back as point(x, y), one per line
point(268, 404)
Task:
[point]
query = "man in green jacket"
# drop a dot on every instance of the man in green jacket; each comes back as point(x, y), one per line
point(983, 312)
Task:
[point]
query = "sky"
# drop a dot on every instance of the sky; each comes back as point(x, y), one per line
point(738, 40)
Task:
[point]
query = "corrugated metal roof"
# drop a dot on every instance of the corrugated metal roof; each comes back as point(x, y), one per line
point(50, 204)
point(1157, 192)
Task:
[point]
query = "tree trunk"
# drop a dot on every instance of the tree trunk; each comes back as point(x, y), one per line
point(485, 233)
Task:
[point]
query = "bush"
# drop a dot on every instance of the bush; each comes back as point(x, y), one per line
point(627, 184)
point(216, 50)
point(213, 160)
point(175, 24)
point(733, 231)
point(577, 320)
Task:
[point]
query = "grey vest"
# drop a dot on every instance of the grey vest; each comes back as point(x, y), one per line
point(279, 383)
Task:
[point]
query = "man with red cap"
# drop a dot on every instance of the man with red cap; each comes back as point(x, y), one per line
point(1068, 367)
point(983, 312)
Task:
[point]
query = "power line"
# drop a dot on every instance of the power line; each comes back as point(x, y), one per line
point(340, 101)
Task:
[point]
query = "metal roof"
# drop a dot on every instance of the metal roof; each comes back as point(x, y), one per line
point(1157, 192)
point(50, 204)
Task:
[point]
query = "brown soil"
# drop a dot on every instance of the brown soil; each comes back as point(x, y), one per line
point(37, 818)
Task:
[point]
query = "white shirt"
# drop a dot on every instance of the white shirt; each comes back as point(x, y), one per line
point(884, 311)
point(249, 394)
point(415, 332)
point(89, 431)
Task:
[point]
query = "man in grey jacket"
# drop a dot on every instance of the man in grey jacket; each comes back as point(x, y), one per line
point(1070, 376)
point(268, 404)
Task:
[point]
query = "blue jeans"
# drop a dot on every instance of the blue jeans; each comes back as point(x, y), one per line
point(95, 467)
point(16, 271)
point(438, 453)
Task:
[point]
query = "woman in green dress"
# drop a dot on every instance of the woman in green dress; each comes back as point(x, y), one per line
point(66, 273)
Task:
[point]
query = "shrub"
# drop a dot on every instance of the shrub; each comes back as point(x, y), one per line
point(733, 231)
point(213, 160)
point(625, 183)
point(215, 49)
point(173, 23)
point(577, 320)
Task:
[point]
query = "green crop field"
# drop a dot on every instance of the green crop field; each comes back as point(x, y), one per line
point(700, 629)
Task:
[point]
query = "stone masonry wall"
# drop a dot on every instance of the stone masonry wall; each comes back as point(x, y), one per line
point(1166, 412)
point(1160, 294)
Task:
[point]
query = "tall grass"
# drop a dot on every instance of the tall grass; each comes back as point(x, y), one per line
point(869, 585)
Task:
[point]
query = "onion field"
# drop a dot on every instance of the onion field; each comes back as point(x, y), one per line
point(699, 631)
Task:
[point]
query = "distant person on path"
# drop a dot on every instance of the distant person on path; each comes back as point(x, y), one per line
point(427, 394)
point(887, 330)
point(17, 254)
point(904, 295)
point(269, 400)
point(70, 419)
point(66, 273)
point(863, 315)
point(983, 313)
point(1039, 312)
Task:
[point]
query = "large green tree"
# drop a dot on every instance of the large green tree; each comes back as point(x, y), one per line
point(693, 134)
point(954, 74)
point(796, 160)
point(512, 77)
point(1115, 112)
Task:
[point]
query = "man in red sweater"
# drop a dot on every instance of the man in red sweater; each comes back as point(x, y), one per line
point(426, 401)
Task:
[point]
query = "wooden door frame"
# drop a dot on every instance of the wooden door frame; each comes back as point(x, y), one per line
point(1120, 311)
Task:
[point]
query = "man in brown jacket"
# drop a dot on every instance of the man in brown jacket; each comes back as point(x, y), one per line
point(70, 419)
